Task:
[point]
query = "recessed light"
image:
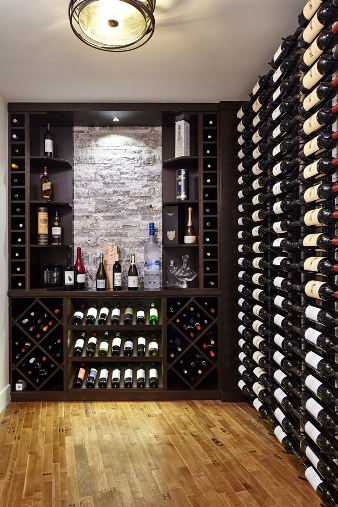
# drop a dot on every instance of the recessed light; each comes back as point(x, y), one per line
point(116, 119)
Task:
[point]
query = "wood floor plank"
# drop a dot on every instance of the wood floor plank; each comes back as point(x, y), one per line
point(195, 453)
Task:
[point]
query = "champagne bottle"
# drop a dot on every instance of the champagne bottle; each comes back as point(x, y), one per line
point(151, 262)
point(116, 376)
point(79, 344)
point(80, 375)
point(140, 315)
point(46, 186)
point(48, 142)
point(141, 376)
point(101, 277)
point(103, 376)
point(91, 314)
point(153, 376)
point(117, 274)
point(91, 345)
point(80, 272)
point(103, 315)
point(128, 347)
point(153, 346)
point(132, 274)
point(141, 345)
point(153, 314)
point(92, 375)
point(116, 345)
point(128, 314)
point(56, 230)
point(190, 234)
point(104, 345)
point(128, 376)
point(115, 314)
point(69, 274)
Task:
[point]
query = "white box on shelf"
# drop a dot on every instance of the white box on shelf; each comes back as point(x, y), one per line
point(20, 385)
point(182, 138)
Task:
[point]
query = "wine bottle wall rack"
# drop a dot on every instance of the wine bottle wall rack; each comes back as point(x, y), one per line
point(287, 312)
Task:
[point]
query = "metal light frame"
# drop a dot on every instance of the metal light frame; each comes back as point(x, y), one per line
point(145, 7)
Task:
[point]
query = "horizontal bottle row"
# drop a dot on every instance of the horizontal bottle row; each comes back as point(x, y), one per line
point(130, 314)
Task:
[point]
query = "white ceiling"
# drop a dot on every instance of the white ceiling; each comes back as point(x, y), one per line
point(201, 51)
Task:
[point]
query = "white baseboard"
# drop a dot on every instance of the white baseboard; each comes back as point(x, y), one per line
point(5, 397)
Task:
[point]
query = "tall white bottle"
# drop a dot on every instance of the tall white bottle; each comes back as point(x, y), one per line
point(152, 273)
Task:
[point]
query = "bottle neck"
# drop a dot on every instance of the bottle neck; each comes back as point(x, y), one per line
point(78, 256)
point(189, 223)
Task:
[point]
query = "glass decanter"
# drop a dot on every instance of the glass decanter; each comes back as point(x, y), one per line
point(185, 274)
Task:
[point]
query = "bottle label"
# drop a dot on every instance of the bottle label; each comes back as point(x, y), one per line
point(256, 262)
point(279, 375)
point(116, 342)
point(256, 120)
point(78, 314)
point(240, 261)
point(278, 301)
point(311, 100)
point(257, 404)
point(49, 145)
point(255, 199)
point(80, 278)
point(104, 346)
point(189, 240)
point(278, 339)
point(311, 146)
point(278, 357)
point(256, 169)
point(69, 277)
point(257, 152)
point(256, 184)
point(256, 105)
point(240, 288)
point(104, 374)
point(278, 320)
point(141, 374)
point(312, 288)
point(311, 335)
point(277, 149)
point(256, 278)
point(141, 340)
point(241, 274)
point(311, 239)
point(153, 373)
point(92, 312)
point(241, 384)
point(241, 329)
point(116, 313)
point(240, 154)
point(276, 75)
point(240, 249)
point(100, 284)
point(240, 140)
point(56, 231)
point(256, 293)
point(81, 374)
point(278, 260)
point(128, 344)
point(241, 369)
point(277, 242)
point(276, 113)
point(256, 247)
point(277, 281)
point(92, 339)
point(79, 343)
point(255, 216)
point(279, 433)
point(255, 231)
point(311, 456)
point(241, 301)
point(103, 312)
point(313, 407)
point(311, 124)
point(256, 137)
point(257, 340)
point(312, 77)
point(258, 371)
point(276, 189)
point(256, 356)
point(311, 170)
point(276, 131)
point(128, 374)
point(279, 394)
point(277, 169)
point(277, 93)
point(240, 167)
point(241, 342)
point(311, 217)
point(312, 383)
point(153, 345)
point(132, 281)
point(153, 312)
point(46, 186)
point(240, 113)
point(140, 314)
point(117, 279)
point(240, 127)
point(256, 310)
point(277, 208)
point(311, 431)
point(313, 359)
point(256, 325)
point(311, 263)
point(311, 194)
point(313, 477)
point(257, 388)
point(312, 30)
point(279, 415)
point(310, 8)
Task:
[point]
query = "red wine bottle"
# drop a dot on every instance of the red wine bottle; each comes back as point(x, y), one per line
point(318, 144)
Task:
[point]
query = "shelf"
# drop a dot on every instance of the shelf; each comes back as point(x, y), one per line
point(179, 162)
point(41, 162)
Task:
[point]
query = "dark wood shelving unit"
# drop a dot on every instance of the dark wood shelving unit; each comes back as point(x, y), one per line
point(211, 166)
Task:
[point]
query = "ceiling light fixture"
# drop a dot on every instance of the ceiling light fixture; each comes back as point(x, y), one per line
point(112, 25)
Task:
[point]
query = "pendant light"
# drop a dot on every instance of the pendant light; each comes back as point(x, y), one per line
point(112, 25)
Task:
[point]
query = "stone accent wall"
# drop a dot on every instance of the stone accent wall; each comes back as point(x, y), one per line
point(117, 192)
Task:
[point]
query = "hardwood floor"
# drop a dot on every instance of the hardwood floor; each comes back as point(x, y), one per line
point(145, 454)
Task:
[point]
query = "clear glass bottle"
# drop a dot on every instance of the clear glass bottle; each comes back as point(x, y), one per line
point(151, 262)
point(171, 278)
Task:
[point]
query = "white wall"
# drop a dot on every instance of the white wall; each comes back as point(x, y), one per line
point(4, 345)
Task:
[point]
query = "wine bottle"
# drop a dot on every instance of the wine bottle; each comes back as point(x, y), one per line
point(319, 290)
point(115, 314)
point(318, 240)
point(153, 346)
point(320, 390)
point(79, 344)
point(319, 315)
point(80, 375)
point(91, 378)
point(324, 65)
point(48, 142)
point(321, 92)
point(91, 314)
point(284, 363)
point(318, 339)
point(263, 395)
point(91, 345)
point(285, 402)
point(324, 14)
point(78, 314)
point(151, 263)
point(116, 345)
point(104, 345)
point(317, 169)
point(153, 314)
point(116, 376)
point(317, 265)
point(318, 462)
point(285, 382)
point(319, 438)
point(246, 390)
point(46, 186)
point(128, 376)
point(128, 347)
point(69, 274)
point(140, 315)
point(141, 376)
point(56, 230)
point(322, 118)
point(103, 376)
point(132, 274)
point(316, 410)
point(190, 234)
point(128, 314)
point(141, 345)
point(153, 376)
point(328, 496)
point(285, 440)
point(103, 315)
point(317, 217)
point(318, 144)
point(80, 271)
point(117, 274)
point(101, 276)
point(316, 362)
point(280, 262)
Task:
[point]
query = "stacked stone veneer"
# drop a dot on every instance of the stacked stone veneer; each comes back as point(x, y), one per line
point(117, 192)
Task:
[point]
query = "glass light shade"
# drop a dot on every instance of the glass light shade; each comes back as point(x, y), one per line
point(113, 25)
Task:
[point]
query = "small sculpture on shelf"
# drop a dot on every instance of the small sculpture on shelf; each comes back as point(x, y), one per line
point(185, 274)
